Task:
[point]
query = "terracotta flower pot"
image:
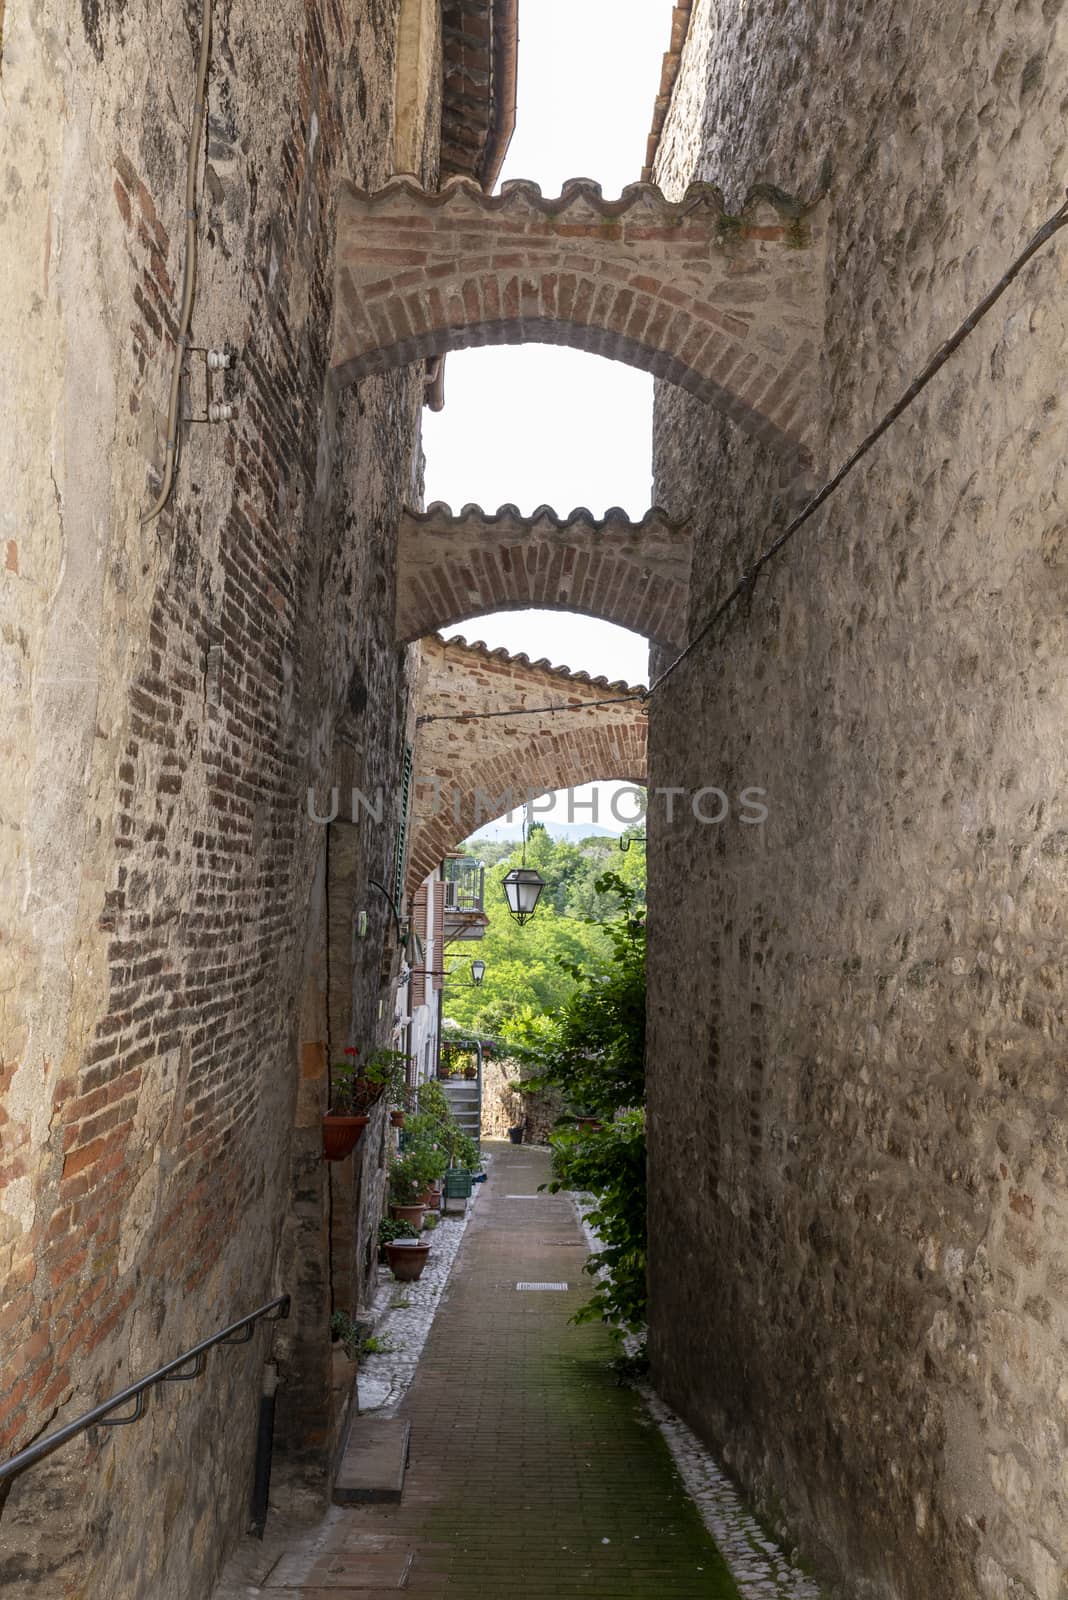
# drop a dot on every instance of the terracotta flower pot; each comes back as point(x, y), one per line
point(470, 1072)
point(407, 1258)
point(341, 1135)
point(396, 1119)
point(413, 1214)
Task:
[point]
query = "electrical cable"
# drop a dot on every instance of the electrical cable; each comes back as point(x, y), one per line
point(527, 711)
point(830, 486)
point(189, 268)
point(915, 388)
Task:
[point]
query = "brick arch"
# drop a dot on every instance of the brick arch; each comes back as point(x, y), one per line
point(634, 574)
point(729, 308)
point(462, 768)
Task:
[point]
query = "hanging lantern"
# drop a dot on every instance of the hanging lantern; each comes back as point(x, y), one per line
point(478, 972)
point(522, 889)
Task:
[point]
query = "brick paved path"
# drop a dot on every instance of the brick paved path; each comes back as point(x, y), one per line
point(532, 1474)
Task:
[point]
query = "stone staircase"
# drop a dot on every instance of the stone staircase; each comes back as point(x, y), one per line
point(465, 1102)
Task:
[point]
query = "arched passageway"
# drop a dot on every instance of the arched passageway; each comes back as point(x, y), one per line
point(729, 308)
point(633, 574)
point(468, 772)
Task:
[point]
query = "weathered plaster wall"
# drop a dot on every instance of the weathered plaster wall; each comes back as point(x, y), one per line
point(859, 1131)
point(170, 692)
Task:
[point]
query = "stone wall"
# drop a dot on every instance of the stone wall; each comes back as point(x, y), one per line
point(170, 691)
point(858, 1124)
point(503, 1107)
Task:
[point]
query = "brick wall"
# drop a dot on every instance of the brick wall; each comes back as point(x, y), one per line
point(634, 574)
point(727, 305)
point(857, 1123)
point(464, 768)
point(176, 689)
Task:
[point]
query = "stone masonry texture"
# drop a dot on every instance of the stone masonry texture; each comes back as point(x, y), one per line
point(858, 1124)
point(170, 691)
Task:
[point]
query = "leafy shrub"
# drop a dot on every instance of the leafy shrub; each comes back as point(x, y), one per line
point(356, 1086)
point(609, 1163)
point(593, 1050)
point(435, 1121)
point(410, 1173)
point(388, 1230)
point(432, 1101)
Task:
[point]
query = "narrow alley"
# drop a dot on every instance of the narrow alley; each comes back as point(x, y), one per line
point(532, 1472)
point(533, 594)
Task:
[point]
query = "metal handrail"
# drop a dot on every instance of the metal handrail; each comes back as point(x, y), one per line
point(237, 1333)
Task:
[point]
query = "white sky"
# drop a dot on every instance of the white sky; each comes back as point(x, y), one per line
point(538, 424)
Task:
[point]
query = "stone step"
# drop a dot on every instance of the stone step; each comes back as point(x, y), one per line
point(372, 1468)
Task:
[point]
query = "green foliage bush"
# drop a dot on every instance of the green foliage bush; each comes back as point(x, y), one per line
point(530, 970)
point(388, 1230)
point(434, 1121)
point(594, 1051)
point(410, 1173)
point(609, 1163)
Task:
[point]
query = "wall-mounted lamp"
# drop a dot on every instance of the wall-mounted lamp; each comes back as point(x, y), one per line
point(407, 937)
point(478, 972)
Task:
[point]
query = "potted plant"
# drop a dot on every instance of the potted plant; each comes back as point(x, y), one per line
point(389, 1231)
point(470, 1071)
point(355, 1089)
point(408, 1179)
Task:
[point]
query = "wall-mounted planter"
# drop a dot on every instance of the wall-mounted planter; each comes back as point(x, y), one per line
point(341, 1135)
point(396, 1119)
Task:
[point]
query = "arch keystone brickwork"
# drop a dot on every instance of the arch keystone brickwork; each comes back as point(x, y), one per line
point(729, 308)
point(463, 768)
point(457, 565)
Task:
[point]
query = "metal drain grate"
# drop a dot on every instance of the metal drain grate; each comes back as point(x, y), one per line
point(541, 1286)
